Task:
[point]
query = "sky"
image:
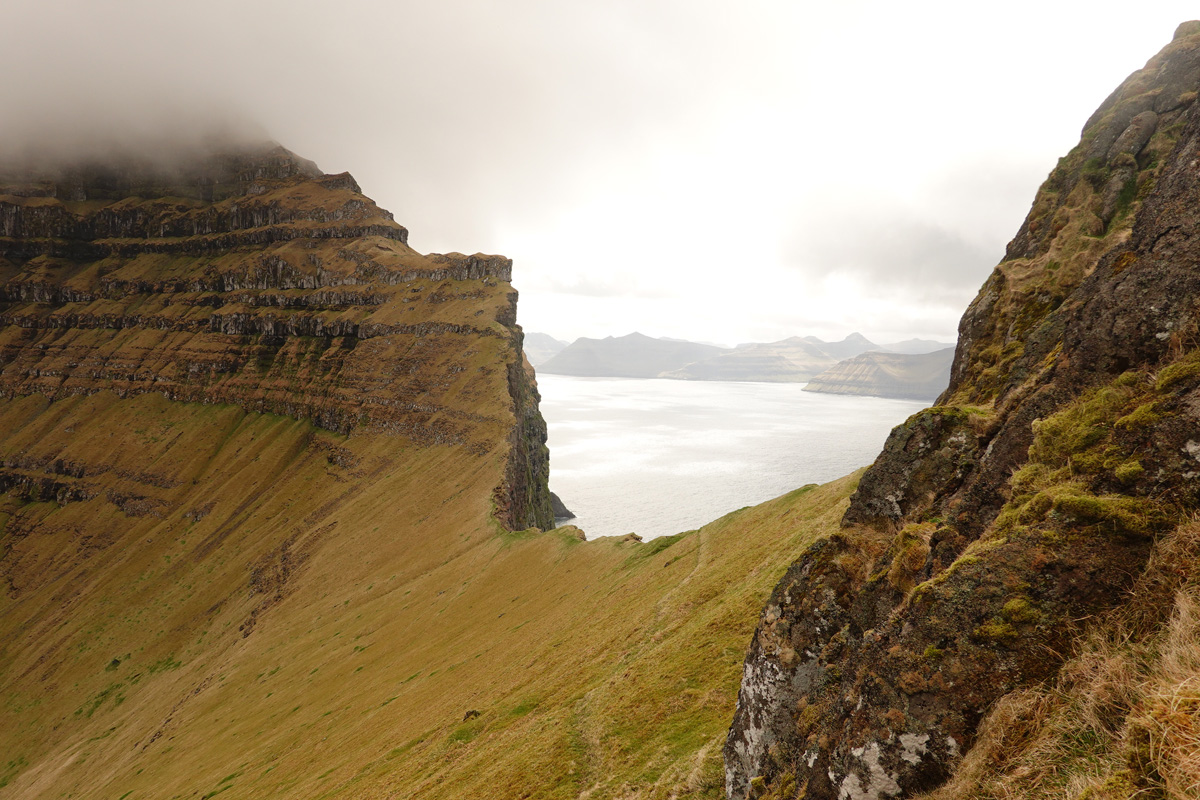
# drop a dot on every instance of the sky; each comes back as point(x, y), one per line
point(715, 171)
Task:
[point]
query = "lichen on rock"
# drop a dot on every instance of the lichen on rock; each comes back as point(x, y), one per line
point(1029, 498)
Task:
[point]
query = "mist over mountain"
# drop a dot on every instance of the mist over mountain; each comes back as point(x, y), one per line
point(541, 347)
point(274, 508)
point(915, 346)
point(631, 356)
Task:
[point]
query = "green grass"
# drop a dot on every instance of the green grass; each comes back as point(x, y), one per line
point(590, 664)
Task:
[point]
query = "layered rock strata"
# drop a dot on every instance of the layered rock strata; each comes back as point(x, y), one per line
point(1027, 500)
point(254, 280)
point(922, 376)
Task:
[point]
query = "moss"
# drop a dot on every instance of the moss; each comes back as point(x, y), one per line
point(833, 675)
point(782, 788)
point(1124, 262)
point(1129, 472)
point(1036, 509)
point(1095, 172)
point(996, 630)
point(1132, 516)
point(1124, 160)
point(933, 653)
point(1129, 192)
point(1130, 379)
point(1020, 611)
point(1062, 437)
point(1177, 373)
point(807, 717)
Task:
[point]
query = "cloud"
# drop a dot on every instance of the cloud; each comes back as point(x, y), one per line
point(893, 250)
point(622, 149)
point(614, 287)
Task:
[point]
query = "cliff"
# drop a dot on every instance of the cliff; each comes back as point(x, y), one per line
point(912, 377)
point(268, 479)
point(253, 280)
point(1039, 508)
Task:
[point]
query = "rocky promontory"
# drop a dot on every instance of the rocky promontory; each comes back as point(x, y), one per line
point(250, 278)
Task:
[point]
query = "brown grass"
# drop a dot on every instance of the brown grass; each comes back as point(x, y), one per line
point(1122, 719)
point(386, 604)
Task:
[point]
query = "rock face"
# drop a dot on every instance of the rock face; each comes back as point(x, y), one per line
point(560, 508)
point(1029, 498)
point(252, 279)
point(910, 377)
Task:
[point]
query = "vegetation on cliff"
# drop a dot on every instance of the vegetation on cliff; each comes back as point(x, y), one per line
point(271, 526)
point(1024, 522)
point(272, 519)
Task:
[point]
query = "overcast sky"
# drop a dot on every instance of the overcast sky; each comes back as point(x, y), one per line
point(709, 170)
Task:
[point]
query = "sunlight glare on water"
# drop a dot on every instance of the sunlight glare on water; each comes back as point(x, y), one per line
point(658, 457)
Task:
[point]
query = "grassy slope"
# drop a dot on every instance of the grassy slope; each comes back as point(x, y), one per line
point(383, 604)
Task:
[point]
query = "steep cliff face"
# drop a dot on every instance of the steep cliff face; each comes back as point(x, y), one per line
point(239, 418)
point(1032, 497)
point(253, 280)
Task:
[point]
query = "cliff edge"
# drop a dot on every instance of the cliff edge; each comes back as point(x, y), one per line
point(250, 278)
point(998, 528)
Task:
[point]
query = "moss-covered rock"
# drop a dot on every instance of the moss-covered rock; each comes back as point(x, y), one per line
point(1030, 497)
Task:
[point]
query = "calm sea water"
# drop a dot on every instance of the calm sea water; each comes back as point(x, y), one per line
point(657, 457)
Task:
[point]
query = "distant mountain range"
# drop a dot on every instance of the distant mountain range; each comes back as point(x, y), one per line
point(541, 347)
point(632, 356)
point(904, 372)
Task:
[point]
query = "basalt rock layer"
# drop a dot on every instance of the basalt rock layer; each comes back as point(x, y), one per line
point(230, 393)
point(1030, 498)
point(254, 280)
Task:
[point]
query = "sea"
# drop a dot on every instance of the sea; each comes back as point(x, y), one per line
point(658, 457)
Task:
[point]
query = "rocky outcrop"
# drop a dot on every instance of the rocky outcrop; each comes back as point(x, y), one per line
point(560, 508)
point(251, 279)
point(1027, 500)
point(910, 377)
point(524, 499)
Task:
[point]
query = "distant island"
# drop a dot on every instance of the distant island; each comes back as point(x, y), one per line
point(541, 347)
point(907, 376)
point(911, 369)
point(632, 356)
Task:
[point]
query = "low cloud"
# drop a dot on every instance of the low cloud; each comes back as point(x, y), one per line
point(892, 250)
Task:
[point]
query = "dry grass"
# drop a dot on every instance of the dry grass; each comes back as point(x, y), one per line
point(392, 607)
point(1122, 720)
point(1172, 701)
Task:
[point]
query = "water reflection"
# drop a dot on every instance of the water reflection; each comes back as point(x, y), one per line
point(657, 457)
